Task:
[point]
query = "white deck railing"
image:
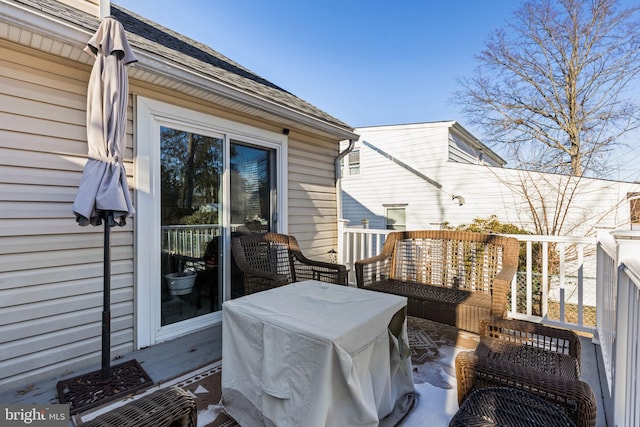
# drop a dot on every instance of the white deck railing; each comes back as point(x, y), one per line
point(563, 291)
point(588, 284)
point(188, 240)
point(607, 295)
point(626, 380)
point(619, 322)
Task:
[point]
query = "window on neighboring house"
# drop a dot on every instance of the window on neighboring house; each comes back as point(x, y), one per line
point(396, 218)
point(354, 162)
point(634, 207)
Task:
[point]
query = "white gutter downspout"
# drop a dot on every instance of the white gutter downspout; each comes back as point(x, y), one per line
point(341, 222)
point(338, 175)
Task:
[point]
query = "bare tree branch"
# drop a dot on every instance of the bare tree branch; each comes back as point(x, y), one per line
point(551, 85)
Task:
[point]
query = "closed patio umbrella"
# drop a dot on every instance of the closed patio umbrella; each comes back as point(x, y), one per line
point(103, 195)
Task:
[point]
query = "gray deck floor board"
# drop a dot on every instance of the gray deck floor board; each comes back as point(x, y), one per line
point(174, 358)
point(161, 362)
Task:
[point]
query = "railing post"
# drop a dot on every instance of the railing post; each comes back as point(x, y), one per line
point(544, 284)
point(342, 226)
point(529, 263)
point(580, 249)
point(627, 244)
point(620, 351)
point(562, 247)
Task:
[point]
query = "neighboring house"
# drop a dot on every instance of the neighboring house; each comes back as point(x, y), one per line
point(265, 159)
point(419, 176)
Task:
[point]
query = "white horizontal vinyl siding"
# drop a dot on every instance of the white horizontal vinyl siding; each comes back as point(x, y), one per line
point(382, 182)
point(312, 195)
point(416, 145)
point(51, 269)
point(496, 191)
point(486, 190)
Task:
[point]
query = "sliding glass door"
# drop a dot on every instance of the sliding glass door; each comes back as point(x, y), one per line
point(200, 181)
point(191, 171)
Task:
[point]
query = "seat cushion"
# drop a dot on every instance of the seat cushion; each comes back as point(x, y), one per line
point(533, 357)
point(461, 308)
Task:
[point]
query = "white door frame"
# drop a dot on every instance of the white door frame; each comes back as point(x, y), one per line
point(150, 115)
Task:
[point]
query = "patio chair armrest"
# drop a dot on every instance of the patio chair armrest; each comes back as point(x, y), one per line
point(370, 270)
point(172, 406)
point(500, 290)
point(314, 263)
point(323, 271)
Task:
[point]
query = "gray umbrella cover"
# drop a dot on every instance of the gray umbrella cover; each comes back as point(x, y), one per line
point(103, 191)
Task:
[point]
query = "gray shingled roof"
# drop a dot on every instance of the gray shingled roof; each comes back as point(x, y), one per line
point(175, 47)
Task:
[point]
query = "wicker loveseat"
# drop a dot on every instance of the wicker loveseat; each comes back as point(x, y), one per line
point(452, 277)
point(268, 260)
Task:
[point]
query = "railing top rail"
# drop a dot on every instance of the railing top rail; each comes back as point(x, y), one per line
point(554, 239)
point(607, 242)
point(522, 237)
point(631, 268)
point(190, 227)
point(367, 230)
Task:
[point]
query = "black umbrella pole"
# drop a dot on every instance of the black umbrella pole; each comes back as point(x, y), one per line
point(106, 305)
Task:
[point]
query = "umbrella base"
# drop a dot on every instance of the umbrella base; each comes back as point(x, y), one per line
point(89, 390)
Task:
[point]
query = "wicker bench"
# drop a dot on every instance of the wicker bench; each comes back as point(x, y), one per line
point(171, 407)
point(453, 277)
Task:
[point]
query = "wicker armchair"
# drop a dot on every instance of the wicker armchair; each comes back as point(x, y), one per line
point(543, 348)
point(452, 277)
point(539, 359)
point(575, 397)
point(268, 260)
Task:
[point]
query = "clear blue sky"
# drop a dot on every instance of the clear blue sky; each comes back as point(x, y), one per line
point(366, 62)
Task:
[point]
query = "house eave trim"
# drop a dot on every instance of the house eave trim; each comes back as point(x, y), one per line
point(479, 144)
point(207, 85)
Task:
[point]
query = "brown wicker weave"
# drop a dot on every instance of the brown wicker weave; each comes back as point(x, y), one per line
point(453, 277)
point(504, 406)
point(543, 348)
point(575, 397)
point(268, 260)
point(171, 407)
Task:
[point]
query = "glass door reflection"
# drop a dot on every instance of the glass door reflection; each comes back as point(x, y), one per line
point(253, 197)
point(191, 170)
